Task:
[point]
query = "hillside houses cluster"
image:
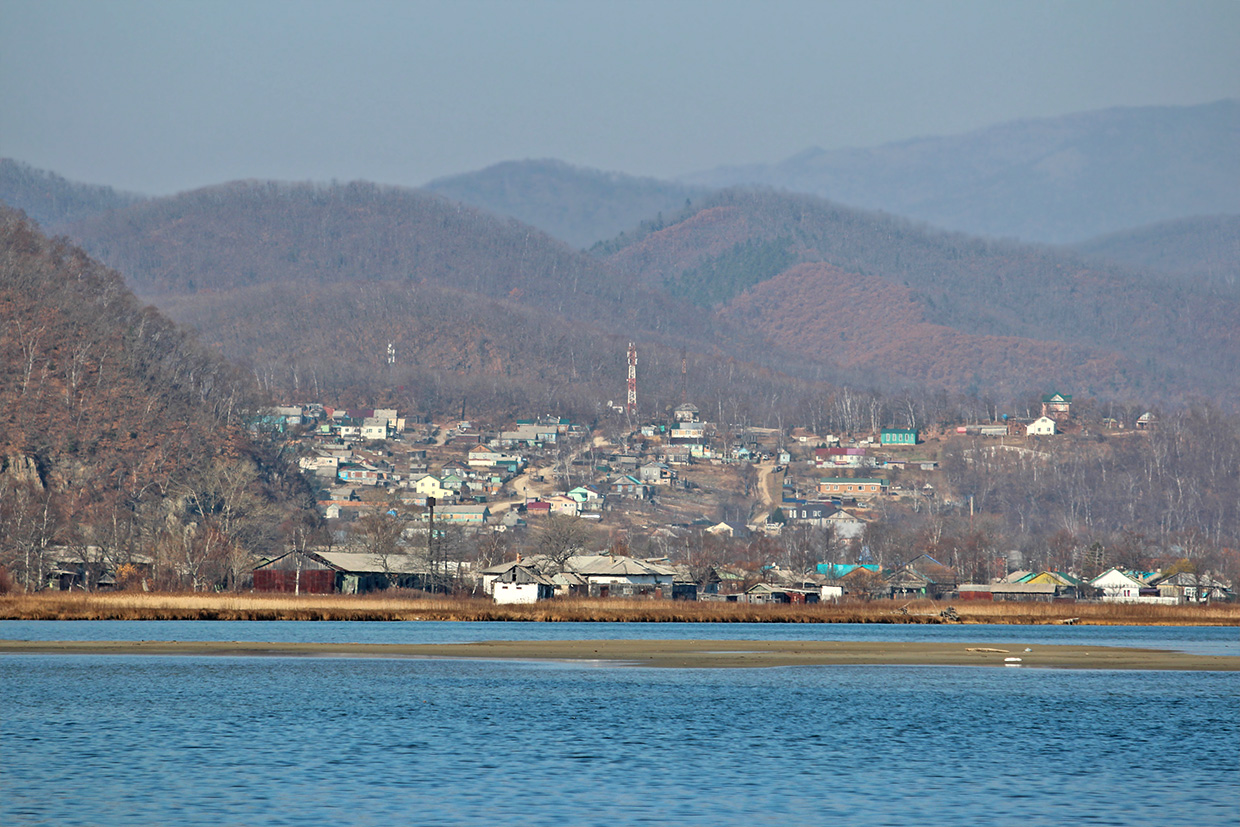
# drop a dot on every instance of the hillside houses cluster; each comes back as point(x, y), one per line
point(513, 469)
point(512, 477)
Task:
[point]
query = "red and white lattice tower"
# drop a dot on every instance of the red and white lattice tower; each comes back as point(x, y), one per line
point(631, 405)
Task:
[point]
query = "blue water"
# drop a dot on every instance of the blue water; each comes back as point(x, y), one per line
point(1202, 640)
point(138, 740)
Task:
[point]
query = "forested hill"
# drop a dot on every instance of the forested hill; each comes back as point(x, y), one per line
point(117, 430)
point(1054, 180)
point(361, 292)
point(53, 201)
point(1203, 248)
point(576, 205)
point(917, 306)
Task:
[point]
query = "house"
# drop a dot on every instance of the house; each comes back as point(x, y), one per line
point(1043, 586)
point(655, 473)
point(480, 456)
point(1190, 587)
point(687, 432)
point(452, 481)
point(923, 576)
point(587, 497)
point(813, 513)
point(1057, 406)
point(464, 514)
point(363, 474)
point(852, 487)
point(530, 434)
point(295, 573)
point(729, 529)
point(845, 526)
point(685, 412)
point(841, 457)
point(1042, 426)
point(610, 576)
point(771, 593)
point(430, 486)
point(838, 571)
point(518, 581)
point(563, 504)
point(1147, 421)
point(320, 462)
point(1122, 587)
point(629, 487)
point(374, 428)
point(897, 436)
point(322, 572)
point(675, 454)
point(537, 508)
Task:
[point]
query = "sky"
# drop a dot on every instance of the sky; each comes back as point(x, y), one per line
point(159, 96)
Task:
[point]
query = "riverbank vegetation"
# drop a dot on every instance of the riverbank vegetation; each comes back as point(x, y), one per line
point(415, 606)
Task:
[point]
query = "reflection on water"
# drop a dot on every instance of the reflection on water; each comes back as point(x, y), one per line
point(269, 741)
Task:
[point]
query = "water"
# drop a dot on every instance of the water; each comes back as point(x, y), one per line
point(1200, 640)
point(139, 740)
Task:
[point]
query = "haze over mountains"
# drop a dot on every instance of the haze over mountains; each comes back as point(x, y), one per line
point(576, 205)
point(1053, 180)
point(357, 290)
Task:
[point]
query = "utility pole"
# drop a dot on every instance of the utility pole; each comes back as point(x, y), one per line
point(430, 541)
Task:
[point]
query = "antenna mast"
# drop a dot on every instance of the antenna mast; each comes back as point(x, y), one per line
point(631, 406)
point(684, 377)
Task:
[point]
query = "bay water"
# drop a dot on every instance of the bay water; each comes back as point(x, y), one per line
point(133, 739)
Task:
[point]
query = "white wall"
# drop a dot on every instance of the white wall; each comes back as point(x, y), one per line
point(515, 592)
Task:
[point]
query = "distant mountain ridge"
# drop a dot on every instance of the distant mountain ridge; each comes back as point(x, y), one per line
point(576, 205)
point(938, 307)
point(1205, 248)
point(360, 290)
point(357, 289)
point(1054, 180)
point(53, 201)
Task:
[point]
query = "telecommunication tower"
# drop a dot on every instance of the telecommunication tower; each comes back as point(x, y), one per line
point(631, 405)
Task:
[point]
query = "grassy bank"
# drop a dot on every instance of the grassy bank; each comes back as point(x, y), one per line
point(203, 606)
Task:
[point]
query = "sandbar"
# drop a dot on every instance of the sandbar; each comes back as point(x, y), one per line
point(705, 654)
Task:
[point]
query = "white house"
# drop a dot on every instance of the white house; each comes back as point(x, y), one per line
point(1042, 426)
point(516, 582)
point(1118, 587)
point(430, 486)
point(374, 428)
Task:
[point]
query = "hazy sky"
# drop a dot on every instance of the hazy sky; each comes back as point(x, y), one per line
point(169, 95)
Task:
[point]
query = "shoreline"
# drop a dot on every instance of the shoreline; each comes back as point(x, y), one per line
point(683, 654)
point(417, 607)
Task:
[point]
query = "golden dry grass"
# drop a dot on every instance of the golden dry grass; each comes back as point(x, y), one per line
point(253, 606)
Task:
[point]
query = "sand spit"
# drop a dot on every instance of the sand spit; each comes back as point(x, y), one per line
point(703, 654)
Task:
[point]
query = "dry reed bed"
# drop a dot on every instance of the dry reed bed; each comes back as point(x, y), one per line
point(210, 606)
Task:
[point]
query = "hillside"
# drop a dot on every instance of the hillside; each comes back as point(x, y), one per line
point(308, 286)
point(576, 205)
point(389, 295)
point(1204, 248)
point(1055, 180)
point(910, 294)
point(118, 431)
point(53, 201)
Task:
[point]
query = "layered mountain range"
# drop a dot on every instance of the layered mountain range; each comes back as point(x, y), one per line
point(369, 293)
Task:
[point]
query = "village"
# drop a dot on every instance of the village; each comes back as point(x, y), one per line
point(545, 508)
